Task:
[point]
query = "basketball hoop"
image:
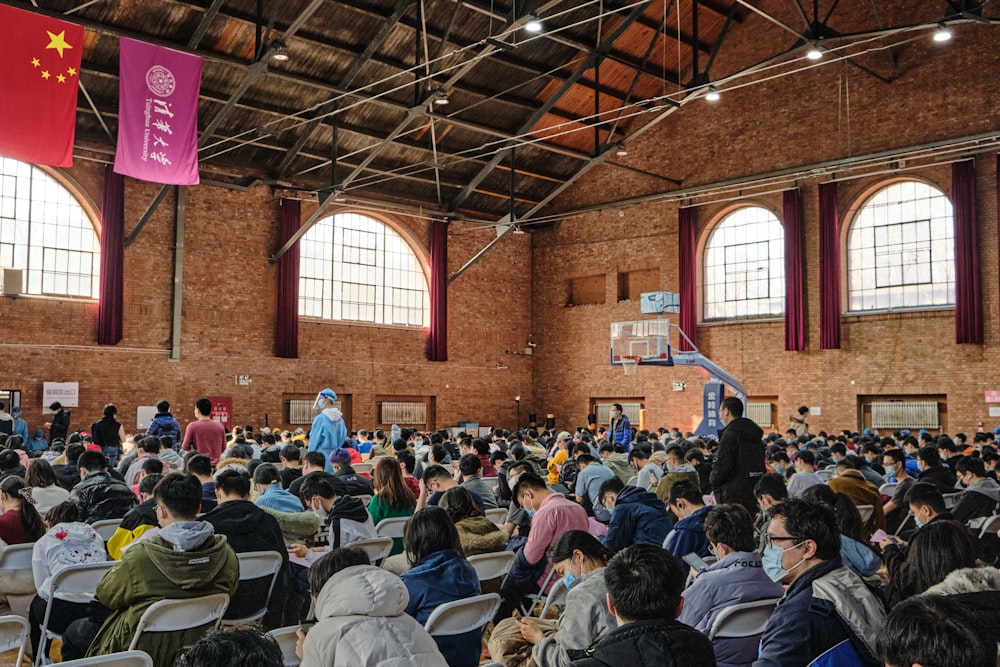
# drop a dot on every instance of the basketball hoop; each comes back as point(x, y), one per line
point(630, 364)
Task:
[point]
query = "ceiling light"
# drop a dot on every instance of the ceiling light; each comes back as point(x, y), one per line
point(440, 98)
point(278, 52)
point(712, 95)
point(533, 24)
point(338, 195)
point(814, 53)
point(942, 34)
point(620, 149)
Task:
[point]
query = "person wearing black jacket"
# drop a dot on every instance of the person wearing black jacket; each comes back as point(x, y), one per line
point(644, 594)
point(59, 424)
point(934, 472)
point(740, 459)
point(68, 474)
point(249, 528)
point(981, 496)
point(100, 496)
point(314, 467)
point(109, 434)
point(354, 484)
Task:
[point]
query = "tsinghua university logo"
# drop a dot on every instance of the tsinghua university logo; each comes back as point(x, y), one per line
point(160, 81)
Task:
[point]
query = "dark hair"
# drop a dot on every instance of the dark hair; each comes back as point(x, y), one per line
point(233, 482)
point(290, 453)
point(180, 494)
point(315, 460)
point(838, 448)
point(771, 484)
point(163, 406)
point(923, 494)
point(110, 410)
point(31, 520)
point(731, 525)
point(9, 459)
point(734, 405)
point(149, 482)
point(408, 460)
point(849, 520)
point(969, 464)
point(203, 406)
point(578, 540)
point(150, 444)
point(312, 486)
point(644, 583)
point(200, 464)
point(458, 503)
point(92, 461)
point(610, 485)
point(617, 406)
point(585, 459)
point(811, 521)
point(392, 491)
point(686, 490)
point(434, 472)
point(73, 451)
point(470, 465)
point(40, 474)
point(243, 647)
point(640, 453)
point(152, 466)
point(64, 512)
point(332, 563)
point(803, 409)
point(438, 454)
point(896, 455)
point(527, 480)
point(935, 630)
point(428, 531)
point(929, 455)
point(936, 550)
point(480, 446)
point(266, 473)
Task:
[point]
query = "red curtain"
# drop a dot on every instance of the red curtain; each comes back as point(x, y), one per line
point(286, 343)
point(110, 310)
point(437, 339)
point(795, 327)
point(968, 292)
point(687, 270)
point(829, 267)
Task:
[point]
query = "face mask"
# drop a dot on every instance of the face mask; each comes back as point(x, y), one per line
point(772, 562)
point(569, 578)
point(320, 512)
point(530, 513)
point(916, 520)
point(418, 443)
point(779, 469)
point(613, 414)
point(611, 512)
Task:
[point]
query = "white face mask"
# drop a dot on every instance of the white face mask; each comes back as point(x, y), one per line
point(319, 511)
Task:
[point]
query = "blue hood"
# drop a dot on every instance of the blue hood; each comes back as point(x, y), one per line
point(446, 572)
point(634, 494)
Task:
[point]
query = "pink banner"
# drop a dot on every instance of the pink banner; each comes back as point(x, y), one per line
point(158, 114)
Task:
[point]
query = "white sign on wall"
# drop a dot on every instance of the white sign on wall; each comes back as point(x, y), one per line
point(144, 416)
point(67, 393)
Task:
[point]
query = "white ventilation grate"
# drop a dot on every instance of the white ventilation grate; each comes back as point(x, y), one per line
point(906, 414)
point(760, 414)
point(402, 412)
point(301, 411)
point(631, 411)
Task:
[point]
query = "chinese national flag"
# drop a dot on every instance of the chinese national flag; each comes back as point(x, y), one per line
point(39, 72)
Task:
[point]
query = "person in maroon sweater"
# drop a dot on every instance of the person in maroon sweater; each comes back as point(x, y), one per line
point(205, 435)
point(20, 522)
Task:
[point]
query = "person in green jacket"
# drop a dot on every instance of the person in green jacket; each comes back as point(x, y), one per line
point(186, 559)
point(392, 498)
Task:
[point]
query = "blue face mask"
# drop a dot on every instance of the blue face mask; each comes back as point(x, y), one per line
point(569, 577)
point(530, 512)
point(779, 469)
point(916, 520)
point(772, 562)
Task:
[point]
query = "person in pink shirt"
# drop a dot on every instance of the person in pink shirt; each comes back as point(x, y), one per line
point(205, 435)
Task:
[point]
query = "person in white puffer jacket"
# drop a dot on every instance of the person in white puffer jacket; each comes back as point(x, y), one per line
point(361, 618)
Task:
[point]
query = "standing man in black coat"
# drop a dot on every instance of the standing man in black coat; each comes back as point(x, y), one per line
point(739, 463)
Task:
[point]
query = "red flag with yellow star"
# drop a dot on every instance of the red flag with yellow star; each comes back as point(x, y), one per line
point(39, 76)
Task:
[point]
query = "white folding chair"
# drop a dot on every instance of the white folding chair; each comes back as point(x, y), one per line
point(498, 516)
point(377, 548)
point(493, 482)
point(746, 619)
point(531, 599)
point(287, 638)
point(364, 498)
point(14, 634)
point(950, 499)
point(123, 659)
point(391, 527)
point(179, 615)
point(826, 474)
point(866, 512)
point(363, 468)
point(492, 565)
point(106, 528)
point(15, 562)
point(888, 489)
point(16, 557)
point(78, 581)
point(555, 598)
point(459, 616)
point(990, 525)
point(666, 540)
point(632, 481)
point(256, 565)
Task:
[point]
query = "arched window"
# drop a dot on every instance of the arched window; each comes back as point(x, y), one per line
point(744, 270)
point(901, 249)
point(45, 232)
point(355, 267)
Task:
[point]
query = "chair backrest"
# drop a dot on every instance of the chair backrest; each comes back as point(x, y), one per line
point(888, 489)
point(257, 564)
point(990, 525)
point(632, 481)
point(16, 557)
point(826, 474)
point(497, 516)
point(666, 539)
point(79, 579)
point(14, 634)
point(177, 615)
point(746, 619)
point(492, 565)
point(492, 482)
point(460, 616)
point(123, 659)
point(391, 527)
point(377, 548)
point(556, 597)
point(866, 511)
point(364, 498)
point(363, 467)
point(287, 638)
point(106, 528)
point(950, 499)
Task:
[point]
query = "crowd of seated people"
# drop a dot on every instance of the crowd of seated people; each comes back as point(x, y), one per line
point(855, 542)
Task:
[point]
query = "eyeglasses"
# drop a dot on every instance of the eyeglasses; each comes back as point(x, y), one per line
point(771, 539)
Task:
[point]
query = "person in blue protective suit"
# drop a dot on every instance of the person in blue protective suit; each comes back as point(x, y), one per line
point(328, 428)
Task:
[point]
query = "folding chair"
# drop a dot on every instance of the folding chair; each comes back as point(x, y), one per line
point(632, 481)
point(287, 638)
point(76, 580)
point(14, 634)
point(256, 565)
point(826, 474)
point(888, 489)
point(106, 528)
point(15, 562)
point(498, 516)
point(666, 540)
point(990, 525)
point(179, 615)
point(364, 498)
point(866, 512)
point(493, 565)
point(746, 619)
point(950, 500)
point(531, 599)
point(363, 468)
point(555, 598)
point(377, 548)
point(123, 659)
point(460, 616)
point(391, 527)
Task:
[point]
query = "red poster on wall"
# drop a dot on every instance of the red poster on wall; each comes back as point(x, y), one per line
point(222, 410)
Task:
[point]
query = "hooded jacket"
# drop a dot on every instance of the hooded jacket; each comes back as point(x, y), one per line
point(445, 576)
point(63, 545)
point(328, 433)
point(165, 424)
point(100, 496)
point(6, 423)
point(620, 467)
point(185, 560)
point(737, 578)
point(655, 642)
point(362, 620)
point(978, 500)
point(584, 620)
point(940, 476)
point(349, 522)
point(688, 535)
point(295, 526)
point(479, 535)
point(738, 464)
point(136, 522)
point(639, 517)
